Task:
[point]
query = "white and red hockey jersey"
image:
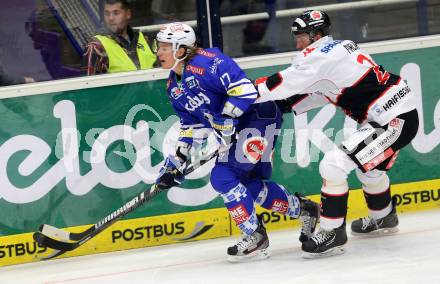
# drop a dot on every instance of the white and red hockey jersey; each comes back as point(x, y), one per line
point(339, 72)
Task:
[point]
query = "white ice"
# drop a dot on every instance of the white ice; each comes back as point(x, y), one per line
point(411, 256)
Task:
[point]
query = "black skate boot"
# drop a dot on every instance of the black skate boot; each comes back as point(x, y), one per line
point(325, 243)
point(251, 247)
point(368, 226)
point(309, 217)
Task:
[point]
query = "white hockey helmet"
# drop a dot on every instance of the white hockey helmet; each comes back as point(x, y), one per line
point(178, 34)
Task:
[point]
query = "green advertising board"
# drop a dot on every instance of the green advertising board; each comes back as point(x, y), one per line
point(69, 158)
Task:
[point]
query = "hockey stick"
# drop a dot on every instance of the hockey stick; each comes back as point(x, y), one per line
point(64, 245)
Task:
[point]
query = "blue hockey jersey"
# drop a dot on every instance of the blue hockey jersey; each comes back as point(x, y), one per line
point(210, 80)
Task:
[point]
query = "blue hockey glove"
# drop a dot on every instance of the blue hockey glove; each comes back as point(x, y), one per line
point(224, 128)
point(169, 174)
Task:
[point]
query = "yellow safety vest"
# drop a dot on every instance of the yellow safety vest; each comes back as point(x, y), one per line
point(118, 58)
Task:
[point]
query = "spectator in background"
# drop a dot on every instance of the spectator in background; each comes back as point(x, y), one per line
point(120, 48)
point(255, 30)
point(353, 23)
point(6, 79)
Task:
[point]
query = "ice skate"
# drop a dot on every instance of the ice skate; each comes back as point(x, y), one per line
point(252, 247)
point(325, 243)
point(309, 217)
point(368, 226)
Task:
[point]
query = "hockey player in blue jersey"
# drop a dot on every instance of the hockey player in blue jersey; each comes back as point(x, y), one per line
point(208, 90)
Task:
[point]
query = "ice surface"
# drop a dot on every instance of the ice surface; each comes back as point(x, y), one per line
point(411, 256)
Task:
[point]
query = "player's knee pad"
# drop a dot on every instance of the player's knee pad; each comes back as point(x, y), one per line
point(334, 178)
point(373, 182)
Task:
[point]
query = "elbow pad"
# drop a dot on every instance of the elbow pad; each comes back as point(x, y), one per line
point(274, 81)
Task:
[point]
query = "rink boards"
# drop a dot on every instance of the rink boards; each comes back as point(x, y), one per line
point(71, 151)
point(201, 225)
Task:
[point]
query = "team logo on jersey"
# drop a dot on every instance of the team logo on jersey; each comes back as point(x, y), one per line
point(176, 93)
point(316, 15)
point(196, 101)
point(191, 82)
point(196, 69)
point(254, 148)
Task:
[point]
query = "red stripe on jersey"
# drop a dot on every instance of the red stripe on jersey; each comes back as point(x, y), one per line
point(378, 193)
point(334, 194)
point(332, 218)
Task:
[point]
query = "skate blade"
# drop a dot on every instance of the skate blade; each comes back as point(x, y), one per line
point(331, 252)
point(377, 233)
point(254, 256)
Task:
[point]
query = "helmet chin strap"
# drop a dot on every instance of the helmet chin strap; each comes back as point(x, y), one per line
point(175, 64)
point(177, 60)
point(312, 37)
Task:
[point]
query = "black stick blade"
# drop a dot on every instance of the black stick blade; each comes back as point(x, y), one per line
point(52, 243)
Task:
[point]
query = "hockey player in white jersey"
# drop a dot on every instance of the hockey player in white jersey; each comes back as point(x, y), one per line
point(341, 73)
